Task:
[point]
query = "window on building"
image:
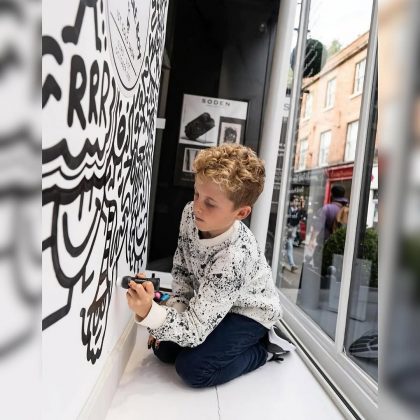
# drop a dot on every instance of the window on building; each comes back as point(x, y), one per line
point(330, 93)
point(302, 154)
point(351, 139)
point(324, 147)
point(308, 106)
point(359, 76)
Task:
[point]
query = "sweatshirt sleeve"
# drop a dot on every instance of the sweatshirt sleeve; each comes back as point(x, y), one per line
point(182, 279)
point(216, 295)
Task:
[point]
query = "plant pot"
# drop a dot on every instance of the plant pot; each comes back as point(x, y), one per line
point(359, 290)
point(310, 288)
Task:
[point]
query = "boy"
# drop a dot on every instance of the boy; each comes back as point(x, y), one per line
point(214, 327)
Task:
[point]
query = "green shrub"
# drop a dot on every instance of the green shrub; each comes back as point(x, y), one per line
point(368, 251)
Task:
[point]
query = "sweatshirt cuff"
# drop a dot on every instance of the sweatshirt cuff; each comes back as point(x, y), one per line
point(155, 318)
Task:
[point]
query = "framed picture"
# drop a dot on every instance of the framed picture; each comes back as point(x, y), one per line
point(231, 130)
point(184, 174)
point(189, 156)
point(202, 115)
point(206, 122)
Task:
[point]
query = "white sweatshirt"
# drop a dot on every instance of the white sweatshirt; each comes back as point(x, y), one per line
point(212, 277)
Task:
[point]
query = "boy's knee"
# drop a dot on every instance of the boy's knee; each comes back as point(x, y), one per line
point(165, 358)
point(192, 372)
point(164, 355)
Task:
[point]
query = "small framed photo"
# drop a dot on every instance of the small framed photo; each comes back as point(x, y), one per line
point(189, 157)
point(231, 130)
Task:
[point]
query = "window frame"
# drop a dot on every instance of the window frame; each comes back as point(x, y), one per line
point(358, 389)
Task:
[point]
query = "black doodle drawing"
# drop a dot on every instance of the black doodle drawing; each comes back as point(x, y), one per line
point(71, 33)
point(51, 47)
point(98, 196)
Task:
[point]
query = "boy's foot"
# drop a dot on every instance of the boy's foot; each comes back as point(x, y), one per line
point(277, 344)
point(274, 352)
point(277, 337)
point(274, 357)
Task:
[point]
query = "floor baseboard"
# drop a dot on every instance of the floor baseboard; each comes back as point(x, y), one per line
point(101, 396)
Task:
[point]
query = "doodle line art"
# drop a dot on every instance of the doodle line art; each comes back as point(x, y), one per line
point(97, 195)
point(127, 44)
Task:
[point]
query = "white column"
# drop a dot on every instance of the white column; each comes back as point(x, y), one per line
point(273, 116)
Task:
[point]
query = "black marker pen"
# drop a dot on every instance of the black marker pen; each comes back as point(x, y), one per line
point(124, 281)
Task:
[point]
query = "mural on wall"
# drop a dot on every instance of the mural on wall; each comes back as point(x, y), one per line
point(101, 70)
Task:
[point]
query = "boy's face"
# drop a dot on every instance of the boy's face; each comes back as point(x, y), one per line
point(214, 212)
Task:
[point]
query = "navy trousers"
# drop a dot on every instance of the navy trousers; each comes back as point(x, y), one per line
point(232, 349)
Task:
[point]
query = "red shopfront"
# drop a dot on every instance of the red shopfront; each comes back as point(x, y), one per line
point(341, 175)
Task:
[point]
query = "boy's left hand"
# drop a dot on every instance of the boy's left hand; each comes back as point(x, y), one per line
point(140, 297)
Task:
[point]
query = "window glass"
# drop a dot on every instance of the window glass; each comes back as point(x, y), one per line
point(319, 185)
point(324, 147)
point(308, 106)
point(302, 154)
point(361, 337)
point(359, 76)
point(351, 140)
point(330, 95)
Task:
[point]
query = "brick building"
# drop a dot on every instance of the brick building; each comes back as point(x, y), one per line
point(328, 122)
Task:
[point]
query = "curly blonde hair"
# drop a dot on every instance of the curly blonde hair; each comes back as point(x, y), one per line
point(237, 169)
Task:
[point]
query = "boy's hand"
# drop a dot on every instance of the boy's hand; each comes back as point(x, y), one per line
point(152, 342)
point(140, 297)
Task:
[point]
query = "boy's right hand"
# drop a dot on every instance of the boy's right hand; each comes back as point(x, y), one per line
point(152, 342)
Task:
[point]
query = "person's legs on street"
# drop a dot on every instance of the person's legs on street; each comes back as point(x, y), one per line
point(290, 242)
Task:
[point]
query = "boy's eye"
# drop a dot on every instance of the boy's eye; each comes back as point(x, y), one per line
point(209, 204)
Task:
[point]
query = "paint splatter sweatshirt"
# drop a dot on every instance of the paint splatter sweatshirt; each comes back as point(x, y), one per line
point(211, 278)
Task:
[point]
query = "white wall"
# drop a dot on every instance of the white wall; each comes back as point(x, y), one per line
point(100, 79)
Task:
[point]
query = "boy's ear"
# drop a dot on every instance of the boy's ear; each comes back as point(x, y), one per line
point(243, 212)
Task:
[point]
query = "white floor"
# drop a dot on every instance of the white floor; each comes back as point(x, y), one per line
point(150, 389)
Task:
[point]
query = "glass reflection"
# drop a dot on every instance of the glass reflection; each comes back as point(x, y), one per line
point(314, 229)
